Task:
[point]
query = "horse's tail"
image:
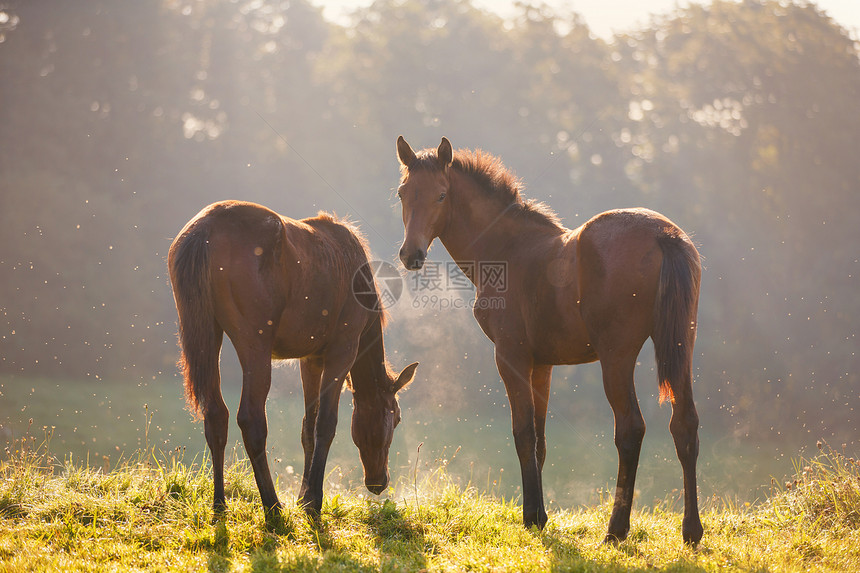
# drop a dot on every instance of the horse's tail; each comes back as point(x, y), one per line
point(200, 336)
point(675, 314)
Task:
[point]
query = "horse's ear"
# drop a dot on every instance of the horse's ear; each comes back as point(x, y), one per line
point(445, 153)
point(404, 152)
point(405, 377)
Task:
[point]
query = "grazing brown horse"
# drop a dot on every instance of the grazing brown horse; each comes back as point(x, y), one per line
point(569, 297)
point(282, 288)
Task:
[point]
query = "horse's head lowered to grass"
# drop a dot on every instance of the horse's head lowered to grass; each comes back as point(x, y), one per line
point(372, 433)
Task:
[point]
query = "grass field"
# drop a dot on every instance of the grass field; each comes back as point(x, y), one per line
point(152, 512)
point(102, 421)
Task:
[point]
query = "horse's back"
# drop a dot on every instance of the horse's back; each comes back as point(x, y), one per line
point(239, 221)
point(273, 278)
point(624, 223)
point(240, 232)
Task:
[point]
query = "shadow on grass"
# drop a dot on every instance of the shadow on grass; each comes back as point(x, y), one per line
point(568, 550)
point(263, 551)
point(219, 555)
point(397, 543)
point(402, 542)
point(382, 536)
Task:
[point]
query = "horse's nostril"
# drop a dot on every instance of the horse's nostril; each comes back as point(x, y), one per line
point(413, 261)
point(418, 260)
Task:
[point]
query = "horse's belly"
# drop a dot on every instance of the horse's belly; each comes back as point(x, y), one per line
point(298, 336)
point(561, 337)
point(565, 351)
point(296, 347)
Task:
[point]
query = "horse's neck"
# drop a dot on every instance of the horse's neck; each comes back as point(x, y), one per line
point(370, 367)
point(480, 228)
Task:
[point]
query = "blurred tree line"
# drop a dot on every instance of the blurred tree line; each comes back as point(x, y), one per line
point(738, 120)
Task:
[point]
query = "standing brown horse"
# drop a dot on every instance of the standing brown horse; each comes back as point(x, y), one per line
point(569, 297)
point(282, 288)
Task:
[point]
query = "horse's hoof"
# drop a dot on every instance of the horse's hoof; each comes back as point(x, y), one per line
point(274, 521)
point(692, 533)
point(615, 538)
point(312, 507)
point(538, 520)
point(273, 513)
point(219, 514)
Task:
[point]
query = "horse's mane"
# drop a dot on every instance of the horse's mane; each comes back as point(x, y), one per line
point(495, 180)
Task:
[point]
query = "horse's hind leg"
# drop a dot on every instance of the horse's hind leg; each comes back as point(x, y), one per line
point(629, 433)
point(311, 369)
point(256, 381)
point(216, 419)
point(685, 431)
point(215, 422)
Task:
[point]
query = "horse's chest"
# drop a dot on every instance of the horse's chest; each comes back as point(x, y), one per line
point(483, 315)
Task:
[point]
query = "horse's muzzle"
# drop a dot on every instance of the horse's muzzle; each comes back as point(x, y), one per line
point(377, 488)
point(412, 261)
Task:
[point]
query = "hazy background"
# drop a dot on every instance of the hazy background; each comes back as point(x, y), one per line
point(605, 18)
point(739, 121)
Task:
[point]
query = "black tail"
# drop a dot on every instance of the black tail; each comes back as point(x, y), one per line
point(675, 314)
point(199, 335)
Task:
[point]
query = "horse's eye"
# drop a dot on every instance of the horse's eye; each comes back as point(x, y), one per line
point(441, 197)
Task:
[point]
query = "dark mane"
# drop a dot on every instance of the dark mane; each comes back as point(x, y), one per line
point(496, 180)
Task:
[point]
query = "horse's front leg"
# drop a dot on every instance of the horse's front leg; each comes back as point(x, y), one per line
point(516, 370)
point(336, 366)
point(311, 370)
point(541, 376)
